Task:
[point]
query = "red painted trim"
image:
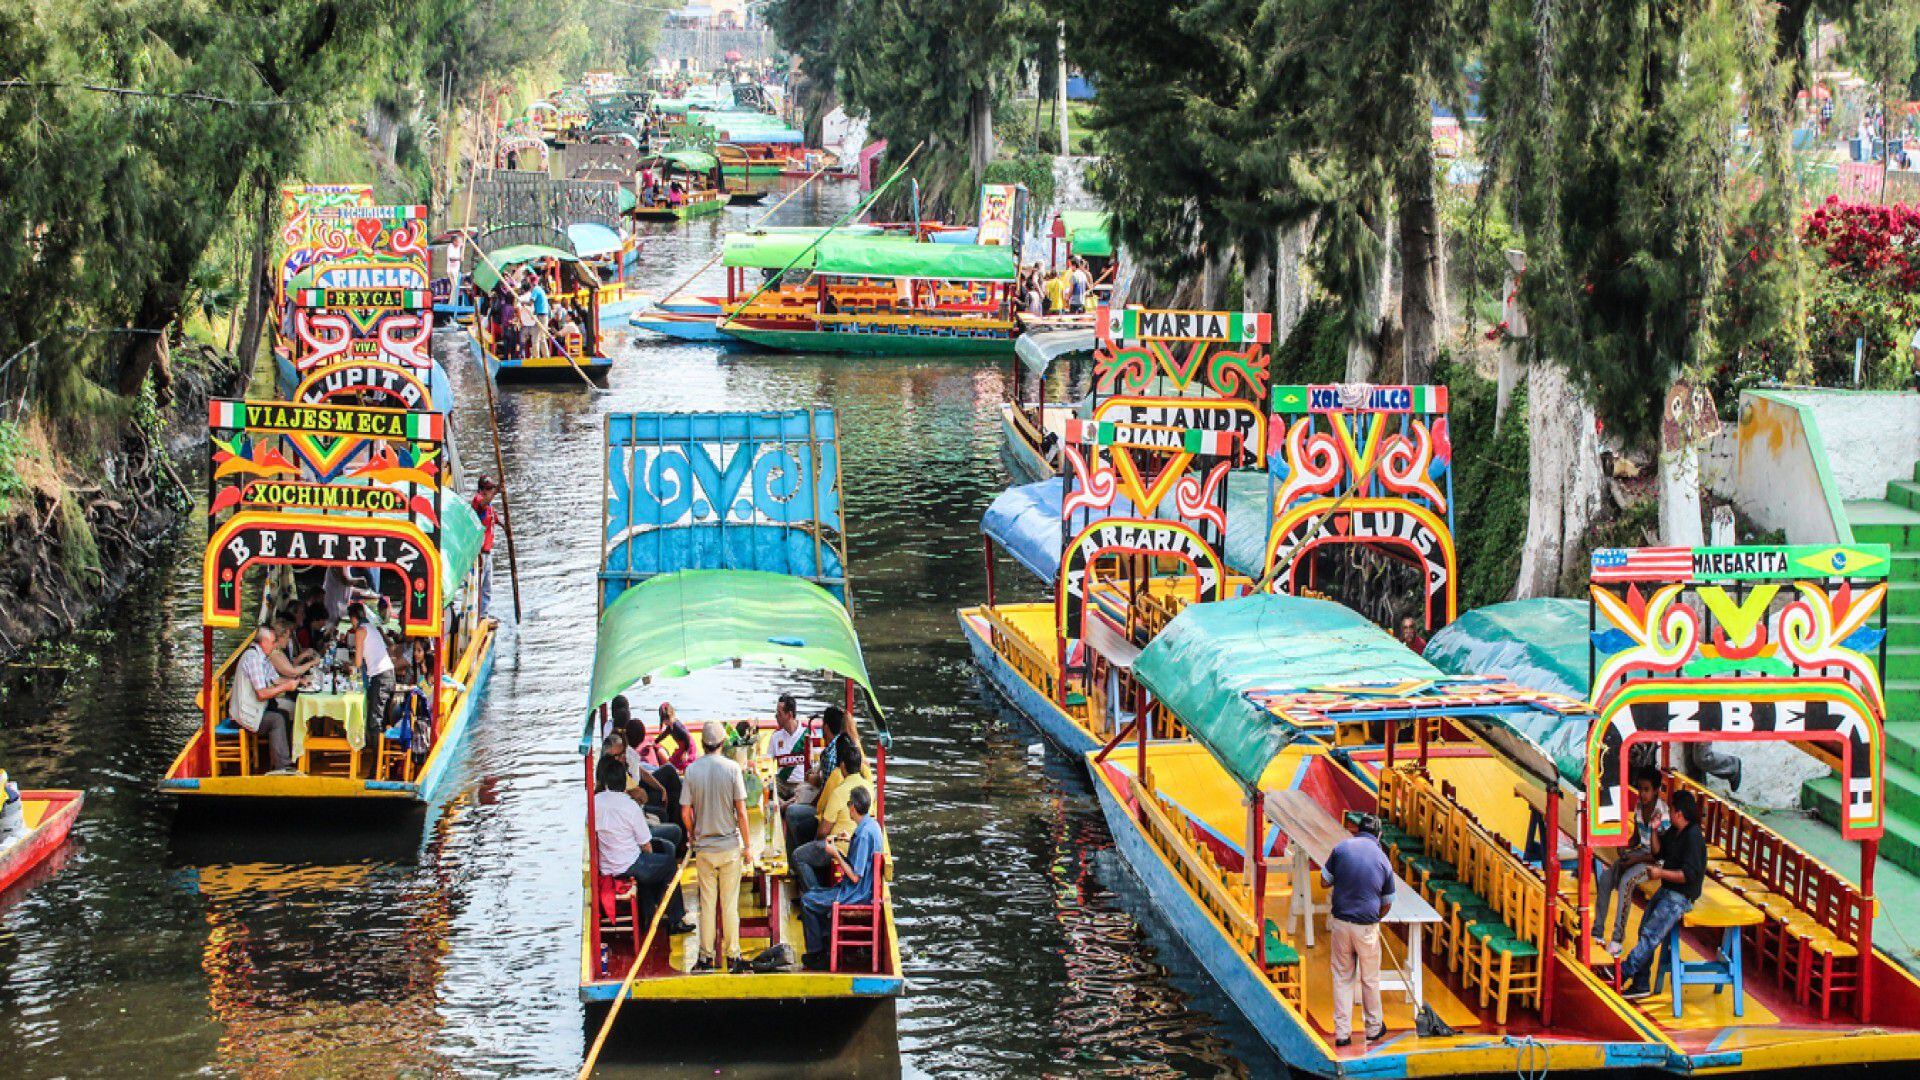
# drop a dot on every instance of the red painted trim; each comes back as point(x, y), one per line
point(45, 838)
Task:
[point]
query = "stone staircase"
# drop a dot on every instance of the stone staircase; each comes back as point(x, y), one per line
point(1894, 521)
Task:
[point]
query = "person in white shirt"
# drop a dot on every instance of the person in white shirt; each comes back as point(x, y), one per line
point(374, 662)
point(630, 847)
point(255, 685)
point(788, 748)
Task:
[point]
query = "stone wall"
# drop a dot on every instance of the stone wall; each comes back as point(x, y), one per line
point(707, 50)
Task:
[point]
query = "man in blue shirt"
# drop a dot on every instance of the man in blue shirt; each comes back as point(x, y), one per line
point(1361, 880)
point(855, 885)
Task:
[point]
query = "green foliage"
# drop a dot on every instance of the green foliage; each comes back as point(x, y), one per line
point(1033, 170)
point(1489, 483)
point(12, 487)
point(1610, 132)
point(1315, 351)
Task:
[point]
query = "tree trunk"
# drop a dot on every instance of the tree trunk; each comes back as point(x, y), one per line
point(1564, 484)
point(1289, 283)
point(1680, 518)
point(1420, 283)
point(259, 290)
point(1367, 348)
point(980, 148)
point(1512, 367)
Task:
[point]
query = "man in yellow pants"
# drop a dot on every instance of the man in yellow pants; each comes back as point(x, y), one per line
point(716, 810)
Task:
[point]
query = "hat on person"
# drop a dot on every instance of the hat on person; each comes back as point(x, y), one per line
point(1364, 822)
point(713, 735)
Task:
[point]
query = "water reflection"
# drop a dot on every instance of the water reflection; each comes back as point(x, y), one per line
point(450, 941)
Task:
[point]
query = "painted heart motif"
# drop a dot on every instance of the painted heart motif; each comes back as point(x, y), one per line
point(369, 230)
point(1339, 524)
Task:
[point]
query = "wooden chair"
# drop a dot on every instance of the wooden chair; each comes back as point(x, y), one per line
point(610, 894)
point(232, 745)
point(1830, 968)
point(861, 926)
point(1282, 964)
point(1503, 958)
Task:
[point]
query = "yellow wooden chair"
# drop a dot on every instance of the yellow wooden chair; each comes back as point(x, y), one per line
point(232, 745)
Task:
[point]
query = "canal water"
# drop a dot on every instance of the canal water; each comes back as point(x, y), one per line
point(448, 943)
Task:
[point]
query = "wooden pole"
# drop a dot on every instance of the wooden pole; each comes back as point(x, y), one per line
point(1550, 867)
point(756, 223)
point(626, 985)
point(500, 473)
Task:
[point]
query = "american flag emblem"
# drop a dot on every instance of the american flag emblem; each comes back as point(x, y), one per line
point(1643, 564)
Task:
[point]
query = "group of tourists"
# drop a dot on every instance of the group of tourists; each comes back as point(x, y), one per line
point(342, 624)
point(1667, 847)
point(525, 319)
point(656, 191)
point(1066, 291)
point(655, 800)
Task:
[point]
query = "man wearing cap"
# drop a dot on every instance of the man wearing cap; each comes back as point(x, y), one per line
point(1361, 882)
point(715, 794)
point(483, 509)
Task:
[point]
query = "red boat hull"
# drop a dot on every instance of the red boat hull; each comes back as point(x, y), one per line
point(46, 836)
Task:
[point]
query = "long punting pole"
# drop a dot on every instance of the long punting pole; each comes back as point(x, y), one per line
point(754, 224)
point(859, 208)
point(500, 473)
point(987, 541)
point(626, 985)
point(206, 696)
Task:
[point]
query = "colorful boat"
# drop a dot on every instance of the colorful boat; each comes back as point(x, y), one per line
point(1353, 469)
point(693, 578)
point(572, 355)
point(703, 188)
point(48, 816)
point(291, 498)
point(931, 299)
point(318, 484)
point(1478, 779)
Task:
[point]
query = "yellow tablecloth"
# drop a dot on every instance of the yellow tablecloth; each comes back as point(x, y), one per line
point(350, 708)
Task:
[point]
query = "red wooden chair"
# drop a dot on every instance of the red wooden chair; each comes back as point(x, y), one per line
point(612, 893)
point(859, 926)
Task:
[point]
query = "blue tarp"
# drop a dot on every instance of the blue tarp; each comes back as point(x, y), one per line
point(592, 240)
point(1210, 655)
point(1539, 644)
point(1024, 521)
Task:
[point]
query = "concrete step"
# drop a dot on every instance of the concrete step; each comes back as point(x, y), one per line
point(1904, 493)
point(1903, 704)
point(1906, 566)
point(1900, 843)
point(1903, 747)
point(1880, 521)
point(1903, 598)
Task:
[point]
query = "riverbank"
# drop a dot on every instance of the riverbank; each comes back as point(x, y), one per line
point(76, 528)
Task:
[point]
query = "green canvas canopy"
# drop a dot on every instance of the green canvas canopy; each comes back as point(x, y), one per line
point(880, 257)
point(1210, 654)
point(678, 623)
point(691, 160)
point(627, 199)
point(486, 271)
point(775, 249)
point(1089, 232)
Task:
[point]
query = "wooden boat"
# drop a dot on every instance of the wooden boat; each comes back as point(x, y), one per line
point(569, 357)
point(934, 299)
point(1031, 427)
point(675, 599)
point(49, 816)
point(749, 159)
point(292, 498)
point(1476, 778)
point(703, 186)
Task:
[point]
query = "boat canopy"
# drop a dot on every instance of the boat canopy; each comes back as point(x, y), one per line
point(777, 248)
point(628, 200)
point(486, 270)
point(460, 538)
point(1039, 349)
point(880, 257)
point(1089, 232)
point(691, 160)
point(1024, 520)
point(1204, 662)
point(1539, 644)
point(675, 624)
point(592, 239)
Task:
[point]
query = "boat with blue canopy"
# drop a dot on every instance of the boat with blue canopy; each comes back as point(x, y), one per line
point(723, 547)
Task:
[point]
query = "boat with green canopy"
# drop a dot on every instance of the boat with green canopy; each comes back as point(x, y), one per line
point(887, 295)
point(734, 576)
point(569, 345)
point(679, 184)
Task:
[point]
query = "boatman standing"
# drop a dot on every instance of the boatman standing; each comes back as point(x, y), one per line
point(1361, 880)
point(489, 515)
